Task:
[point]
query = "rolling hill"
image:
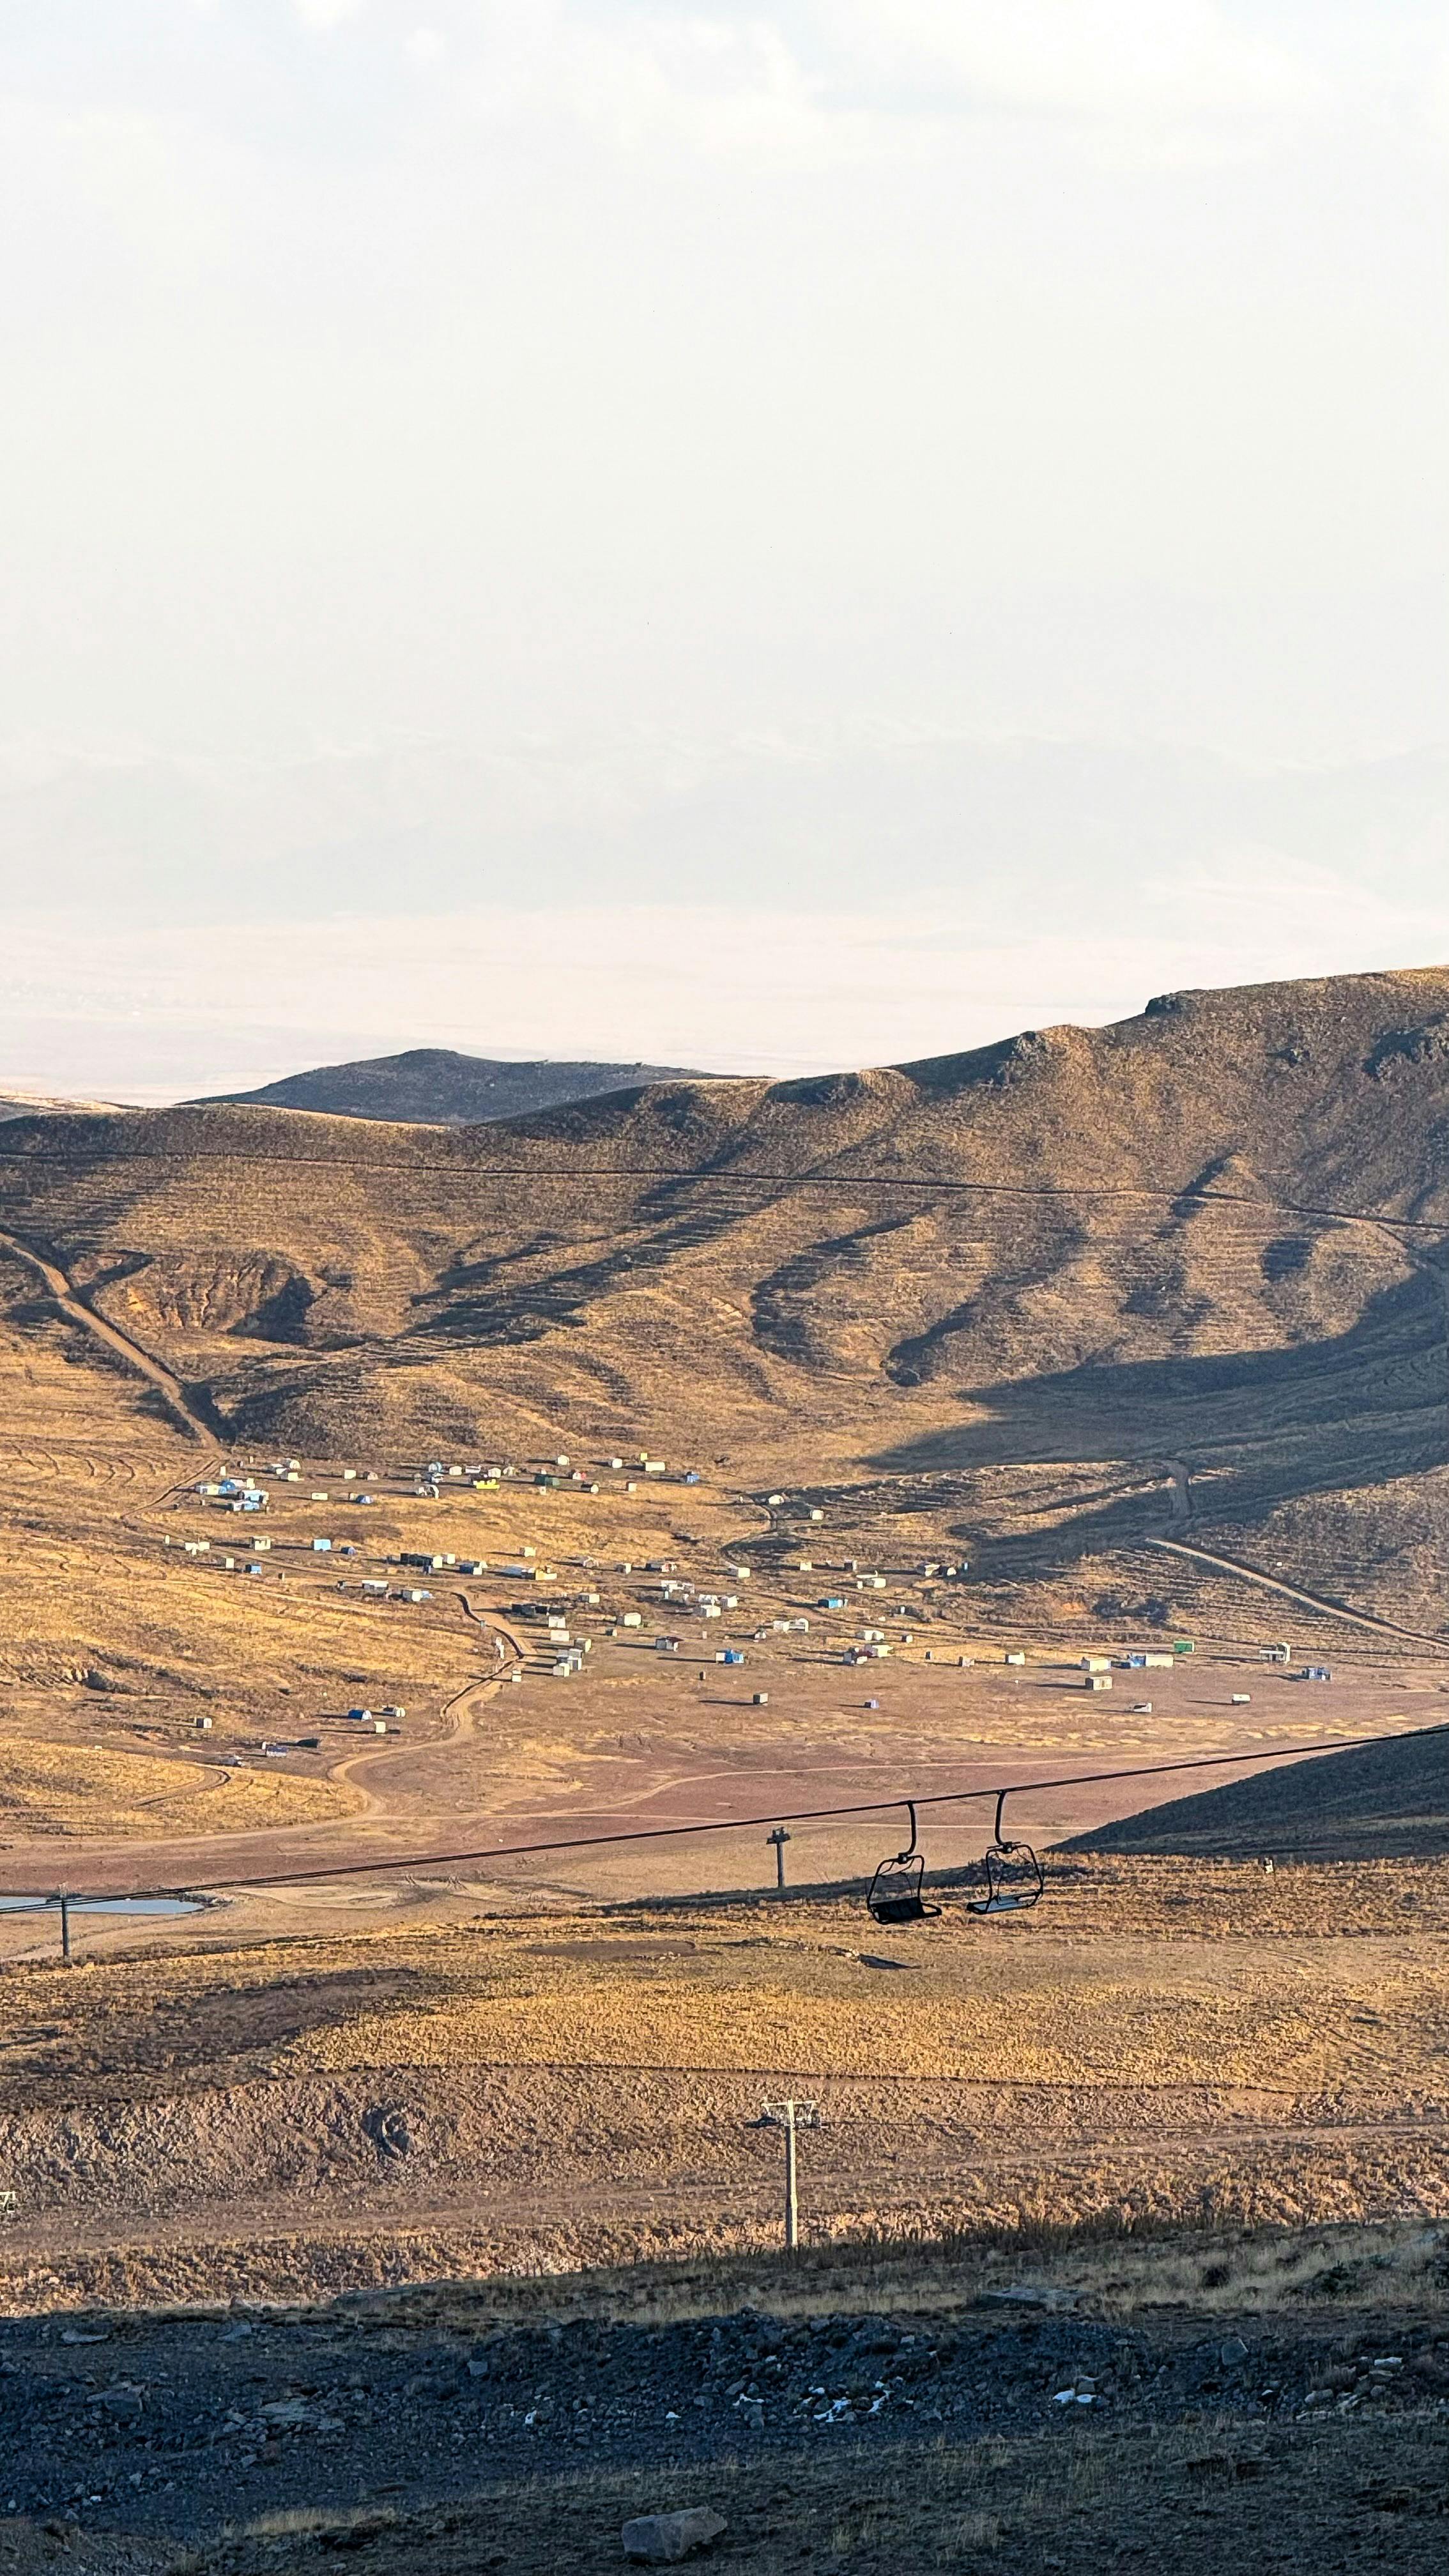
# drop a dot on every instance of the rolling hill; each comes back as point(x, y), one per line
point(33, 1104)
point(1180, 1278)
point(1375, 1802)
point(437, 1087)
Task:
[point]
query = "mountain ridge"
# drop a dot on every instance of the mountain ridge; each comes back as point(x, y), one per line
point(1035, 1280)
point(438, 1086)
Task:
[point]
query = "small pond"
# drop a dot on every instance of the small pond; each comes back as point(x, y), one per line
point(102, 1905)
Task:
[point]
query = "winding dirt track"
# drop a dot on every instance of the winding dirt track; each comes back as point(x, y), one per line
point(372, 1835)
point(66, 1297)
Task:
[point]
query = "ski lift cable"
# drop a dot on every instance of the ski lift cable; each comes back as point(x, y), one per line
point(749, 1824)
point(726, 1177)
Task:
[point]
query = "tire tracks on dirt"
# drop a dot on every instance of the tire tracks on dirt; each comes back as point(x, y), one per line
point(69, 1302)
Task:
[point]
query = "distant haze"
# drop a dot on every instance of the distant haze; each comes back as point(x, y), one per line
point(777, 538)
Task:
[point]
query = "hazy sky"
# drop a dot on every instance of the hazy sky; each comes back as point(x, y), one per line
point(778, 534)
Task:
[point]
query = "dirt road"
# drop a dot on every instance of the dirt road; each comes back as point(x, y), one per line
point(1294, 1592)
point(64, 1295)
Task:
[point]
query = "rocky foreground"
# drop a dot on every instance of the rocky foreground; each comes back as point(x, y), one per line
point(386, 2424)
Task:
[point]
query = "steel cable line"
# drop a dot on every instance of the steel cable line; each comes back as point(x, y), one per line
point(725, 1179)
point(750, 1824)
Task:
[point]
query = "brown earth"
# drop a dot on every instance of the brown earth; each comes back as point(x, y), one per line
point(1065, 1294)
point(1141, 1326)
point(457, 2093)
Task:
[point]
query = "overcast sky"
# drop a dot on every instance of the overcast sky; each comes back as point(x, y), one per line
point(778, 534)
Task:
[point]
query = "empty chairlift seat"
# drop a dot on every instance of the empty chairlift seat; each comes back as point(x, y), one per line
point(1014, 1875)
point(895, 1891)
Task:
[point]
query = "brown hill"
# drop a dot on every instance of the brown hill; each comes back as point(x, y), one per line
point(437, 1087)
point(1028, 1285)
point(1378, 1802)
point(36, 1104)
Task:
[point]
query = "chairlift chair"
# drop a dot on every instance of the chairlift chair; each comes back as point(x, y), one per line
point(1014, 1875)
point(895, 1891)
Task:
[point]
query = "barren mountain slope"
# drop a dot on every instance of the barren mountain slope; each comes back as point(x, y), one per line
point(1209, 1236)
point(436, 1086)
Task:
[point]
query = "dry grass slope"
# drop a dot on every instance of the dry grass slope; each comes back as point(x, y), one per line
point(1208, 1236)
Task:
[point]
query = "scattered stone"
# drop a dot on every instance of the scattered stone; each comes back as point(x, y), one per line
point(1030, 2294)
point(1232, 2351)
point(664, 2538)
point(124, 2402)
point(296, 2415)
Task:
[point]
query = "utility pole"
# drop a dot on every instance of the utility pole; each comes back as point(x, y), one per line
point(65, 1930)
point(791, 2116)
point(779, 1838)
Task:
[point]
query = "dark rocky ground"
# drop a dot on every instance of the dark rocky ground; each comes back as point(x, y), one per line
point(389, 2429)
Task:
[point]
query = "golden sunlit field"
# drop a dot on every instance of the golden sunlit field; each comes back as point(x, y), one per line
point(1159, 2036)
point(457, 1767)
point(446, 2057)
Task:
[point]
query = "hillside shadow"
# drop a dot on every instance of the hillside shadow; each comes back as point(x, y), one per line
point(1357, 1409)
point(543, 1282)
point(1375, 1802)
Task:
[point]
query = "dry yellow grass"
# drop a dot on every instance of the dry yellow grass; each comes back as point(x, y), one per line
point(59, 1789)
point(1286, 2026)
point(1070, 1258)
point(1006, 1377)
point(515, 2095)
